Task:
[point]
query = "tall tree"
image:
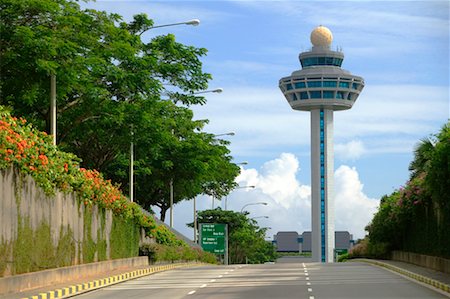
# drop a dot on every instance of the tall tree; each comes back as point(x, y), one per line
point(100, 64)
point(110, 85)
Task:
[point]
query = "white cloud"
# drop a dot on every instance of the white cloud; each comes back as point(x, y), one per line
point(351, 150)
point(278, 181)
point(289, 200)
point(354, 210)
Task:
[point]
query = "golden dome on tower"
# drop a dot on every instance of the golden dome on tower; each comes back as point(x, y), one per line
point(321, 36)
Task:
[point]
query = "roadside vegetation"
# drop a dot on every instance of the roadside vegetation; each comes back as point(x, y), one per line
point(114, 87)
point(416, 216)
point(117, 83)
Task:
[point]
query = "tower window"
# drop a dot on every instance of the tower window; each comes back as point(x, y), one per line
point(303, 95)
point(315, 84)
point(315, 94)
point(329, 83)
point(344, 84)
point(294, 97)
point(300, 85)
point(339, 95)
point(328, 94)
point(289, 86)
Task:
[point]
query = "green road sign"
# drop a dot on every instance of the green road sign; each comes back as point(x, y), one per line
point(341, 251)
point(213, 237)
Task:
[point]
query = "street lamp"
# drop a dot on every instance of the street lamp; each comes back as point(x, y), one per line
point(252, 204)
point(217, 90)
point(260, 217)
point(239, 187)
point(193, 22)
point(217, 135)
point(225, 134)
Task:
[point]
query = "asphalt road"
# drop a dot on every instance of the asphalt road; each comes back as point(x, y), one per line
point(282, 280)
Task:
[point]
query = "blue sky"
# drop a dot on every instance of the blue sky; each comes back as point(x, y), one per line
point(400, 48)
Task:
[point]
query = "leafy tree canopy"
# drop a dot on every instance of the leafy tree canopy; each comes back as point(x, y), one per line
point(417, 216)
point(110, 90)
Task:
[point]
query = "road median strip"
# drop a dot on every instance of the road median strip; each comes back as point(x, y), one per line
point(437, 284)
point(104, 282)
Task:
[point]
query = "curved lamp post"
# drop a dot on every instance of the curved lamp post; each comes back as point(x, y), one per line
point(260, 217)
point(239, 187)
point(217, 90)
point(252, 204)
point(217, 135)
point(193, 22)
point(225, 134)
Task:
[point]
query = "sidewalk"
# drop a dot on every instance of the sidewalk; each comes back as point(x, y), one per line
point(93, 282)
point(431, 277)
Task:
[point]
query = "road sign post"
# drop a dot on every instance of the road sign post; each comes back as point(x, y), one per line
point(214, 238)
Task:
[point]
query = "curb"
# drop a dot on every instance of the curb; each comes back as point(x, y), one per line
point(104, 282)
point(432, 282)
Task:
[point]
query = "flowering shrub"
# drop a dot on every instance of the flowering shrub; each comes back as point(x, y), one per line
point(33, 153)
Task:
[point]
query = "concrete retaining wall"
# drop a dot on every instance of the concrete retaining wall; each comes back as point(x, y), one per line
point(431, 262)
point(28, 281)
point(23, 205)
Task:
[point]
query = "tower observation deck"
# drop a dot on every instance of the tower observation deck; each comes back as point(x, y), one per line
point(322, 86)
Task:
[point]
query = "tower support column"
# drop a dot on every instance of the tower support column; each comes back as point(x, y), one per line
point(322, 185)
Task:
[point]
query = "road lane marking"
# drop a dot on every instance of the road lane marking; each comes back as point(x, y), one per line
point(307, 278)
point(309, 290)
point(191, 292)
point(306, 274)
point(308, 283)
point(220, 276)
point(203, 286)
point(303, 264)
point(212, 280)
point(311, 297)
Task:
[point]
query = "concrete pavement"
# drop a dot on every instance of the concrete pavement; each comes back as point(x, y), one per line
point(433, 278)
point(430, 277)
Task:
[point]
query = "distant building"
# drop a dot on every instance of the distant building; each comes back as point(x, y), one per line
point(287, 242)
point(293, 242)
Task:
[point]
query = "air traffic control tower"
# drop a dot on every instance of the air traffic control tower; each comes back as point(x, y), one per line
point(322, 87)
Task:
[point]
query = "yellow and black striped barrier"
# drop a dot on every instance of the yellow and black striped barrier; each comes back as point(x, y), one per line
point(437, 284)
point(100, 283)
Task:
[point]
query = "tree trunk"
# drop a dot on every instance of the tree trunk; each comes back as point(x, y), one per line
point(162, 216)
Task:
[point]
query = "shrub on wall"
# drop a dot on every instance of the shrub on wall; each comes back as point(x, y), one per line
point(33, 250)
point(163, 253)
point(32, 152)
